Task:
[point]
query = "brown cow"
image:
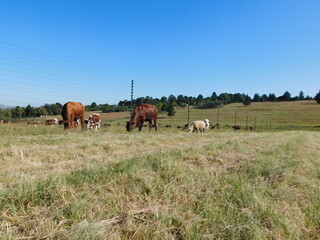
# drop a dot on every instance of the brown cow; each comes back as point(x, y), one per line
point(94, 121)
point(142, 113)
point(51, 121)
point(71, 112)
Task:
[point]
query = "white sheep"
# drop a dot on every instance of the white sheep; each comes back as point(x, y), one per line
point(199, 125)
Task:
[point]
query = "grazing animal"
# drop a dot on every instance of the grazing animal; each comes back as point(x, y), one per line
point(71, 112)
point(236, 127)
point(199, 126)
point(179, 126)
point(168, 126)
point(185, 126)
point(94, 121)
point(143, 113)
point(51, 121)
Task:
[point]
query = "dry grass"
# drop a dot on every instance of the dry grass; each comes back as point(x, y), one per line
point(57, 184)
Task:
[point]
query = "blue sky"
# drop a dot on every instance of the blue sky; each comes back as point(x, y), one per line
point(57, 51)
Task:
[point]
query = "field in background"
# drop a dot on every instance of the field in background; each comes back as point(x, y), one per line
point(57, 184)
point(266, 116)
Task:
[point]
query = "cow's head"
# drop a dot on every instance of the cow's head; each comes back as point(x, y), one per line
point(66, 124)
point(130, 126)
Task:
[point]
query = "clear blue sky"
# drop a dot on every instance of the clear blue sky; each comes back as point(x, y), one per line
point(61, 50)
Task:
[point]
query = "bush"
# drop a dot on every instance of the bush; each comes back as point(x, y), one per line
point(210, 104)
point(115, 108)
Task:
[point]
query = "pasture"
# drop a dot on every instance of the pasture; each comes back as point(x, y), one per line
point(57, 184)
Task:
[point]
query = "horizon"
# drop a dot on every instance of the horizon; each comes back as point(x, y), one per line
point(90, 51)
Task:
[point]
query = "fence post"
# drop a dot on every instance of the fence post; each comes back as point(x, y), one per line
point(247, 124)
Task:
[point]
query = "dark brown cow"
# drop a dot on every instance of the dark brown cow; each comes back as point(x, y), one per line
point(236, 127)
point(142, 113)
point(71, 112)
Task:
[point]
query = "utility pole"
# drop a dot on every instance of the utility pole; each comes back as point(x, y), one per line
point(131, 94)
point(131, 103)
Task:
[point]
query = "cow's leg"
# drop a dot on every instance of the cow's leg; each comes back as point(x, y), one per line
point(83, 124)
point(155, 124)
point(140, 125)
point(150, 125)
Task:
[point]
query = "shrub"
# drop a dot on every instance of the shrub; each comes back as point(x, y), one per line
point(115, 108)
point(209, 104)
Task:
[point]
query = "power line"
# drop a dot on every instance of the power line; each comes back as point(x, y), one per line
point(58, 59)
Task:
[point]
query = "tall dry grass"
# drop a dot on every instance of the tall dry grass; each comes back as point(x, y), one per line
point(57, 184)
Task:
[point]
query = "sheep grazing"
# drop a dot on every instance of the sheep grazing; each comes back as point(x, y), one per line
point(199, 126)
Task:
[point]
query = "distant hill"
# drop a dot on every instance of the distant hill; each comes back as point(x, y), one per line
point(5, 106)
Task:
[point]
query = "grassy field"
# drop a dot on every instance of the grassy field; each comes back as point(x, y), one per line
point(57, 184)
point(267, 116)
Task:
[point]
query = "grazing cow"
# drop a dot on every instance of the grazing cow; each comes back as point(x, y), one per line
point(94, 121)
point(71, 112)
point(236, 127)
point(51, 121)
point(142, 113)
point(168, 126)
point(199, 126)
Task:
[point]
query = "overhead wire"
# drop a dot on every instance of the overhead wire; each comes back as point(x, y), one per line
point(113, 83)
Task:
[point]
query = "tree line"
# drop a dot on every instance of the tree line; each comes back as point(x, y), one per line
point(164, 104)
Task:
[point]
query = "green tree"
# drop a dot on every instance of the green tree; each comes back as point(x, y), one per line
point(17, 112)
point(7, 113)
point(214, 96)
point(301, 95)
point(272, 97)
point(247, 101)
point(170, 110)
point(263, 98)
point(41, 111)
point(199, 98)
point(285, 97)
point(159, 105)
point(317, 97)
point(256, 97)
point(29, 112)
point(172, 99)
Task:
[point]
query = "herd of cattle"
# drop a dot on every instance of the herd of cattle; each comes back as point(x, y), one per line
point(73, 115)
